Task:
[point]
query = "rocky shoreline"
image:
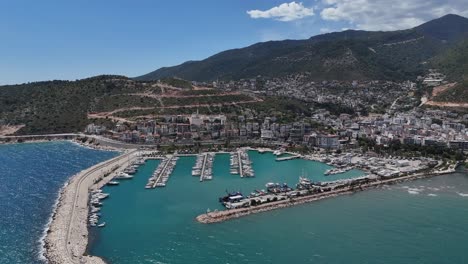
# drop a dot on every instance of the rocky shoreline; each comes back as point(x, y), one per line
point(66, 237)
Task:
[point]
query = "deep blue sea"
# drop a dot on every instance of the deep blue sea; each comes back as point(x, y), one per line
point(31, 176)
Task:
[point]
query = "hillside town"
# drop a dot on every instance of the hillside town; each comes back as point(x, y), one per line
point(395, 117)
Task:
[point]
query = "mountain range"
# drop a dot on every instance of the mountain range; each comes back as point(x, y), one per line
point(347, 55)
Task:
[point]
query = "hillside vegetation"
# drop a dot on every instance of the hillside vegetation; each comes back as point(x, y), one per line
point(62, 106)
point(66, 106)
point(456, 94)
point(347, 55)
point(454, 62)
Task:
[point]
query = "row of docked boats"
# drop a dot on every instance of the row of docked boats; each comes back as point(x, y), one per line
point(197, 168)
point(161, 174)
point(277, 192)
point(207, 171)
point(127, 173)
point(95, 208)
point(246, 164)
point(274, 192)
point(337, 171)
point(234, 166)
point(96, 197)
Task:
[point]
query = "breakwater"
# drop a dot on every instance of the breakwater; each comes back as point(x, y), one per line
point(220, 216)
point(67, 235)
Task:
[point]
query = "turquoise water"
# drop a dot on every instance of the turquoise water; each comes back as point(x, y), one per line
point(419, 222)
point(31, 176)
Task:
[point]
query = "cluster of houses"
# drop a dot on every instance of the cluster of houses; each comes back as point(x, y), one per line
point(396, 122)
point(433, 78)
point(197, 127)
point(368, 95)
point(427, 128)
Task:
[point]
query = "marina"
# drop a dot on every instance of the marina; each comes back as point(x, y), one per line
point(176, 207)
point(274, 195)
point(95, 206)
point(307, 191)
point(235, 164)
point(161, 174)
point(199, 164)
point(240, 163)
point(206, 171)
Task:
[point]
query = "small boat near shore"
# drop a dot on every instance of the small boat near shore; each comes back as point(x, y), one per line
point(113, 183)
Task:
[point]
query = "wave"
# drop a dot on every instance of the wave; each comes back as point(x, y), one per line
point(414, 190)
point(42, 250)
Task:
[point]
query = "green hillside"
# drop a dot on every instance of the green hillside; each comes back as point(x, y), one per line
point(454, 62)
point(62, 106)
point(348, 55)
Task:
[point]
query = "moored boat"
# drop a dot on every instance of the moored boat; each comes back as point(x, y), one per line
point(113, 183)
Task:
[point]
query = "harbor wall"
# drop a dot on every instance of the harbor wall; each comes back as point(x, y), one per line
point(67, 236)
point(220, 216)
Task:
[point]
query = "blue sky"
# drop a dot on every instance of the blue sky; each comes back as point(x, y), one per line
point(60, 39)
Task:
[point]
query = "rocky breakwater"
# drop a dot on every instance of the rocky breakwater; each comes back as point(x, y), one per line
point(220, 216)
point(67, 235)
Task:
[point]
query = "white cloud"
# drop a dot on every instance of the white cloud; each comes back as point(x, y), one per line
point(325, 30)
point(284, 12)
point(390, 14)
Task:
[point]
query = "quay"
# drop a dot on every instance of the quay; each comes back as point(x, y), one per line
point(288, 158)
point(241, 169)
point(67, 235)
point(203, 167)
point(220, 216)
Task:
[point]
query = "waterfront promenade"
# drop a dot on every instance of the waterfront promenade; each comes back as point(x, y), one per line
point(67, 237)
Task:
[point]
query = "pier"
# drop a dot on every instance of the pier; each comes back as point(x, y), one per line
point(203, 167)
point(288, 158)
point(207, 166)
point(67, 236)
point(162, 173)
point(241, 170)
point(220, 216)
point(245, 164)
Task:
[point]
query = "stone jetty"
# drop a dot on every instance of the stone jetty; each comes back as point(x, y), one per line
point(220, 216)
point(67, 235)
